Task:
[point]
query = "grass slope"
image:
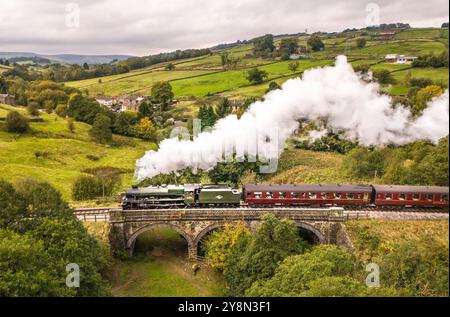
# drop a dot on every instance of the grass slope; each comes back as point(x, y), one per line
point(159, 268)
point(65, 153)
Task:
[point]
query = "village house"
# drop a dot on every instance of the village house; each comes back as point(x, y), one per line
point(121, 103)
point(7, 99)
point(399, 59)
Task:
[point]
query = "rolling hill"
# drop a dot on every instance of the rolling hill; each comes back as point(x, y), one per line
point(205, 76)
point(67, 58)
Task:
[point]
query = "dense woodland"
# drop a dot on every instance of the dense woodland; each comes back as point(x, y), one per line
point(277, 261)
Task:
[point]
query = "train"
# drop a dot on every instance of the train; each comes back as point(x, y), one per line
point(288, 195)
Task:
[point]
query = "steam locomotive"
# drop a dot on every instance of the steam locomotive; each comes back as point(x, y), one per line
point(289, 195)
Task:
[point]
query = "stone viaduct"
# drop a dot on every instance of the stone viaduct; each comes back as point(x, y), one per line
point(323, 225)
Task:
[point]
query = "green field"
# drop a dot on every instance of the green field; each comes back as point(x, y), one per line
point(65, 153)
point(233, 79)
point(159, 268)
point(204, 75)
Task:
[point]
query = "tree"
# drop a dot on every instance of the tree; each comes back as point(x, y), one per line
point(383, 76)
point(84, 109)
point(263, 46)
point(101, 129)
point(86, 187)
point(146, 129)
point(224, 59)
point(293, 66)
point(146, 109)
point(3, 86)
point(363, 163)
point(26, 269)
point(315, 43)
point(15, 122)
point(361, 42)
point(257, 257)
point(231, 172)
point(48, 106)
point(219, 243)
point(61, 111)
point(296, 273)
point(288, 46)
point(170, 66)
point(419, 267)
point(11, 204)
point(162, 92)
point(124, 123)
point(273, 86)
point(33, 108)
point(71, 125)
point(208, 116)
point(256, 76)
point(224, 108)
point(42, 200)
point(67, 241)
point(424, 96)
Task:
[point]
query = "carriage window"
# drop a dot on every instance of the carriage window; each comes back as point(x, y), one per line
point(258, 194)
point(402, 196)
point(313, 195)
point(388, 196)
point(350, 196)
point(430, 197)
point(281, 195)
point(337, 195)
point(269, 195)
point(444, 198)
point(358, 196)
point(323, 195)
point(366, 195)
point(249, 194)
point(416, 197)
point(294, 195)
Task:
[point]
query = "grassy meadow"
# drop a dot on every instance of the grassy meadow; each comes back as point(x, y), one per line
point(63, 154)
point(159, 268)
point(204, 76)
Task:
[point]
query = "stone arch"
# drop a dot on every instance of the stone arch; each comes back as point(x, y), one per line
point(210, 228)
point(317, 234)
point(132, 239)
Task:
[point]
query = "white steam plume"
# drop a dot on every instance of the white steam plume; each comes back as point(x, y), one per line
point(336, 93)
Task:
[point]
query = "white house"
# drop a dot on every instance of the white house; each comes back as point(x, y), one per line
point(399, 59)
point(402, 59)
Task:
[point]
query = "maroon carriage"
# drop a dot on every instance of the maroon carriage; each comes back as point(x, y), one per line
point(421, 196)
point(305, 194)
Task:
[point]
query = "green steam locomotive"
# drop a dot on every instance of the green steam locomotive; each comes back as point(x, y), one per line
point(180, 196)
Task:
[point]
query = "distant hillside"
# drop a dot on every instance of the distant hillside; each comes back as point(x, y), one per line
point(64, 58)
point(90, 59)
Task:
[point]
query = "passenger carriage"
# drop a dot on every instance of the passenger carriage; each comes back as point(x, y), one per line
point(411, 196)
point(305, 194)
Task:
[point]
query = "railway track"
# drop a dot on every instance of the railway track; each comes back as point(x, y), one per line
point(102, 214)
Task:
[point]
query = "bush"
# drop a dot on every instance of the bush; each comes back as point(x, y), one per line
point(101, 129)
point(15, 122)
point(33, 109)
point(86, 187)
point(256, 257)
point(61, 111)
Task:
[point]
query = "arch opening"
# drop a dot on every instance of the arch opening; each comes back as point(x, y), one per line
point(310, 234)
point(159, 240)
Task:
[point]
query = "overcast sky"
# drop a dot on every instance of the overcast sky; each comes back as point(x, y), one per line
point(141, 27)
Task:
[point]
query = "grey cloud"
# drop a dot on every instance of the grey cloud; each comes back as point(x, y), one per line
point(148, 26)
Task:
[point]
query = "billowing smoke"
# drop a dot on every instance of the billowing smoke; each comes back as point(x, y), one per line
point(349, 104)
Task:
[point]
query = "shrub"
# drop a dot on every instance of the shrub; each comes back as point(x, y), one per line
point(61, 111)
point(86, 187)
point(15, 122)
